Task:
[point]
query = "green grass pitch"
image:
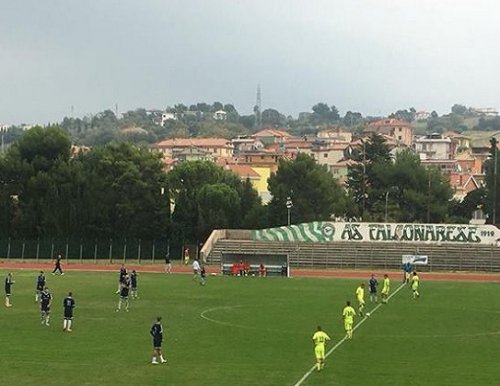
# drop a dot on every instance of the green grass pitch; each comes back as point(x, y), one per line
point(249, 331)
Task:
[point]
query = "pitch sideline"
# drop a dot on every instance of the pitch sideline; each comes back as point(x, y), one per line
point(311, 370)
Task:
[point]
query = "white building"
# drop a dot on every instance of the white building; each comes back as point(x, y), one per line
point(434, 147)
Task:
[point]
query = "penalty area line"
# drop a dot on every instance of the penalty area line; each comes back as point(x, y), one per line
point(339, 343)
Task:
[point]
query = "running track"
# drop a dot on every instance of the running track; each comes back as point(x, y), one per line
point(296, 272)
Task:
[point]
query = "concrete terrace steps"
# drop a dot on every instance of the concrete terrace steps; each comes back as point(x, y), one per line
point(355, 255)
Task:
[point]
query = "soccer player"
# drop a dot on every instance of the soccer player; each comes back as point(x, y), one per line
point(320, 338)
point(122, 274)
point(415, 281)
point(133, 285)
point(40, 285)
point(124, 289)
point(196, 269)
point(9, 281)
point(203, 275)
point(68, 305)
point(157, 334)
point(360, 296)
point(45, 302)
point(186, 256)
point(168, 263)
point(407, 272)
point(373, 284)
point(57, 265)
point(386, 287)
point(348, 315)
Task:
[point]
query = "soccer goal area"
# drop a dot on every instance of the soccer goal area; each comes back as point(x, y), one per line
point(261, 264)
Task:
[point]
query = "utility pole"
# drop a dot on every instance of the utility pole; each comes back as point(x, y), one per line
point(429, 198)
point(495, 167)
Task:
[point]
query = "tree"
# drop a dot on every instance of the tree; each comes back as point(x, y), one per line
point(367, 178)
point(122, 190)
point(42, 147)
point(323, 114)
point(492, 206)
point(273, 118)
point(419, 194)
point(459, 109)
point(352, 119)
point(314, 192)
point(216, 106)
point(404, 115)
point(206, 197)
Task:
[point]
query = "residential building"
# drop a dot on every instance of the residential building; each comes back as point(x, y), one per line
point(220, 115)
point(466, 162)
point(485, 111)
point(192, 154)
point(330, 155)
point(217, 147)
point(269, 136)
point(434, 147)
point(166, 116)
point(337, 134)
point(462, 184)
point(459, 142)
point(401, 131)
point(422, 115)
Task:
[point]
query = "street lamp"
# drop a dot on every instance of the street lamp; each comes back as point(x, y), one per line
point(289, 206)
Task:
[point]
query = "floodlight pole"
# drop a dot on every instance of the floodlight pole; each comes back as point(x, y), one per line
point(289, 206)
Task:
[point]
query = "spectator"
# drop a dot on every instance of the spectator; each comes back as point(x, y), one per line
point(262, 270)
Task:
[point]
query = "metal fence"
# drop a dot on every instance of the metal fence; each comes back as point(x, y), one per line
point(110, 250)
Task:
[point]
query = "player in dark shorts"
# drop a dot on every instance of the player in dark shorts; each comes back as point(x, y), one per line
point(157, 334)
point(372, 285)
point(9, 281)
point(203, 276)
point(123, 273)
point(68, 305)
point(57, 265)
point(45, 302)
point(124, 289)
point(40, 285)
point(133, 285)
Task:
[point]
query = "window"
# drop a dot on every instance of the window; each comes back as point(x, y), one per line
point(325, 155)
point(400, 138)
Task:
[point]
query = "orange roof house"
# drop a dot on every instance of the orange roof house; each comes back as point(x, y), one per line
point(269, 136)
point(463, 183)
point(397, 129)
point(217, 147)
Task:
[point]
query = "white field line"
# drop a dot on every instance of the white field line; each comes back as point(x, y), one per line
point(306, 375)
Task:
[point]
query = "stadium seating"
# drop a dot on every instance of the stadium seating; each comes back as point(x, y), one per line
point(360, 255)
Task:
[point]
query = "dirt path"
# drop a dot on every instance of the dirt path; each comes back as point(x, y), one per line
point(296, 272)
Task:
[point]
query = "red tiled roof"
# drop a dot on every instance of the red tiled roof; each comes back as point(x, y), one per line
point(388, 122)
point(243, 171)
point(272, 133)
point(198, 142)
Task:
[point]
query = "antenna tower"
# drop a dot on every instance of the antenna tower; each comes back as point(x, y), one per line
point(258, 110)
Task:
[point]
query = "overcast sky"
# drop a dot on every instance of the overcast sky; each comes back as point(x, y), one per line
point(371, 56)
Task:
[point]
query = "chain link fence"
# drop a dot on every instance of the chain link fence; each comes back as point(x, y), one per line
point(97, 250)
